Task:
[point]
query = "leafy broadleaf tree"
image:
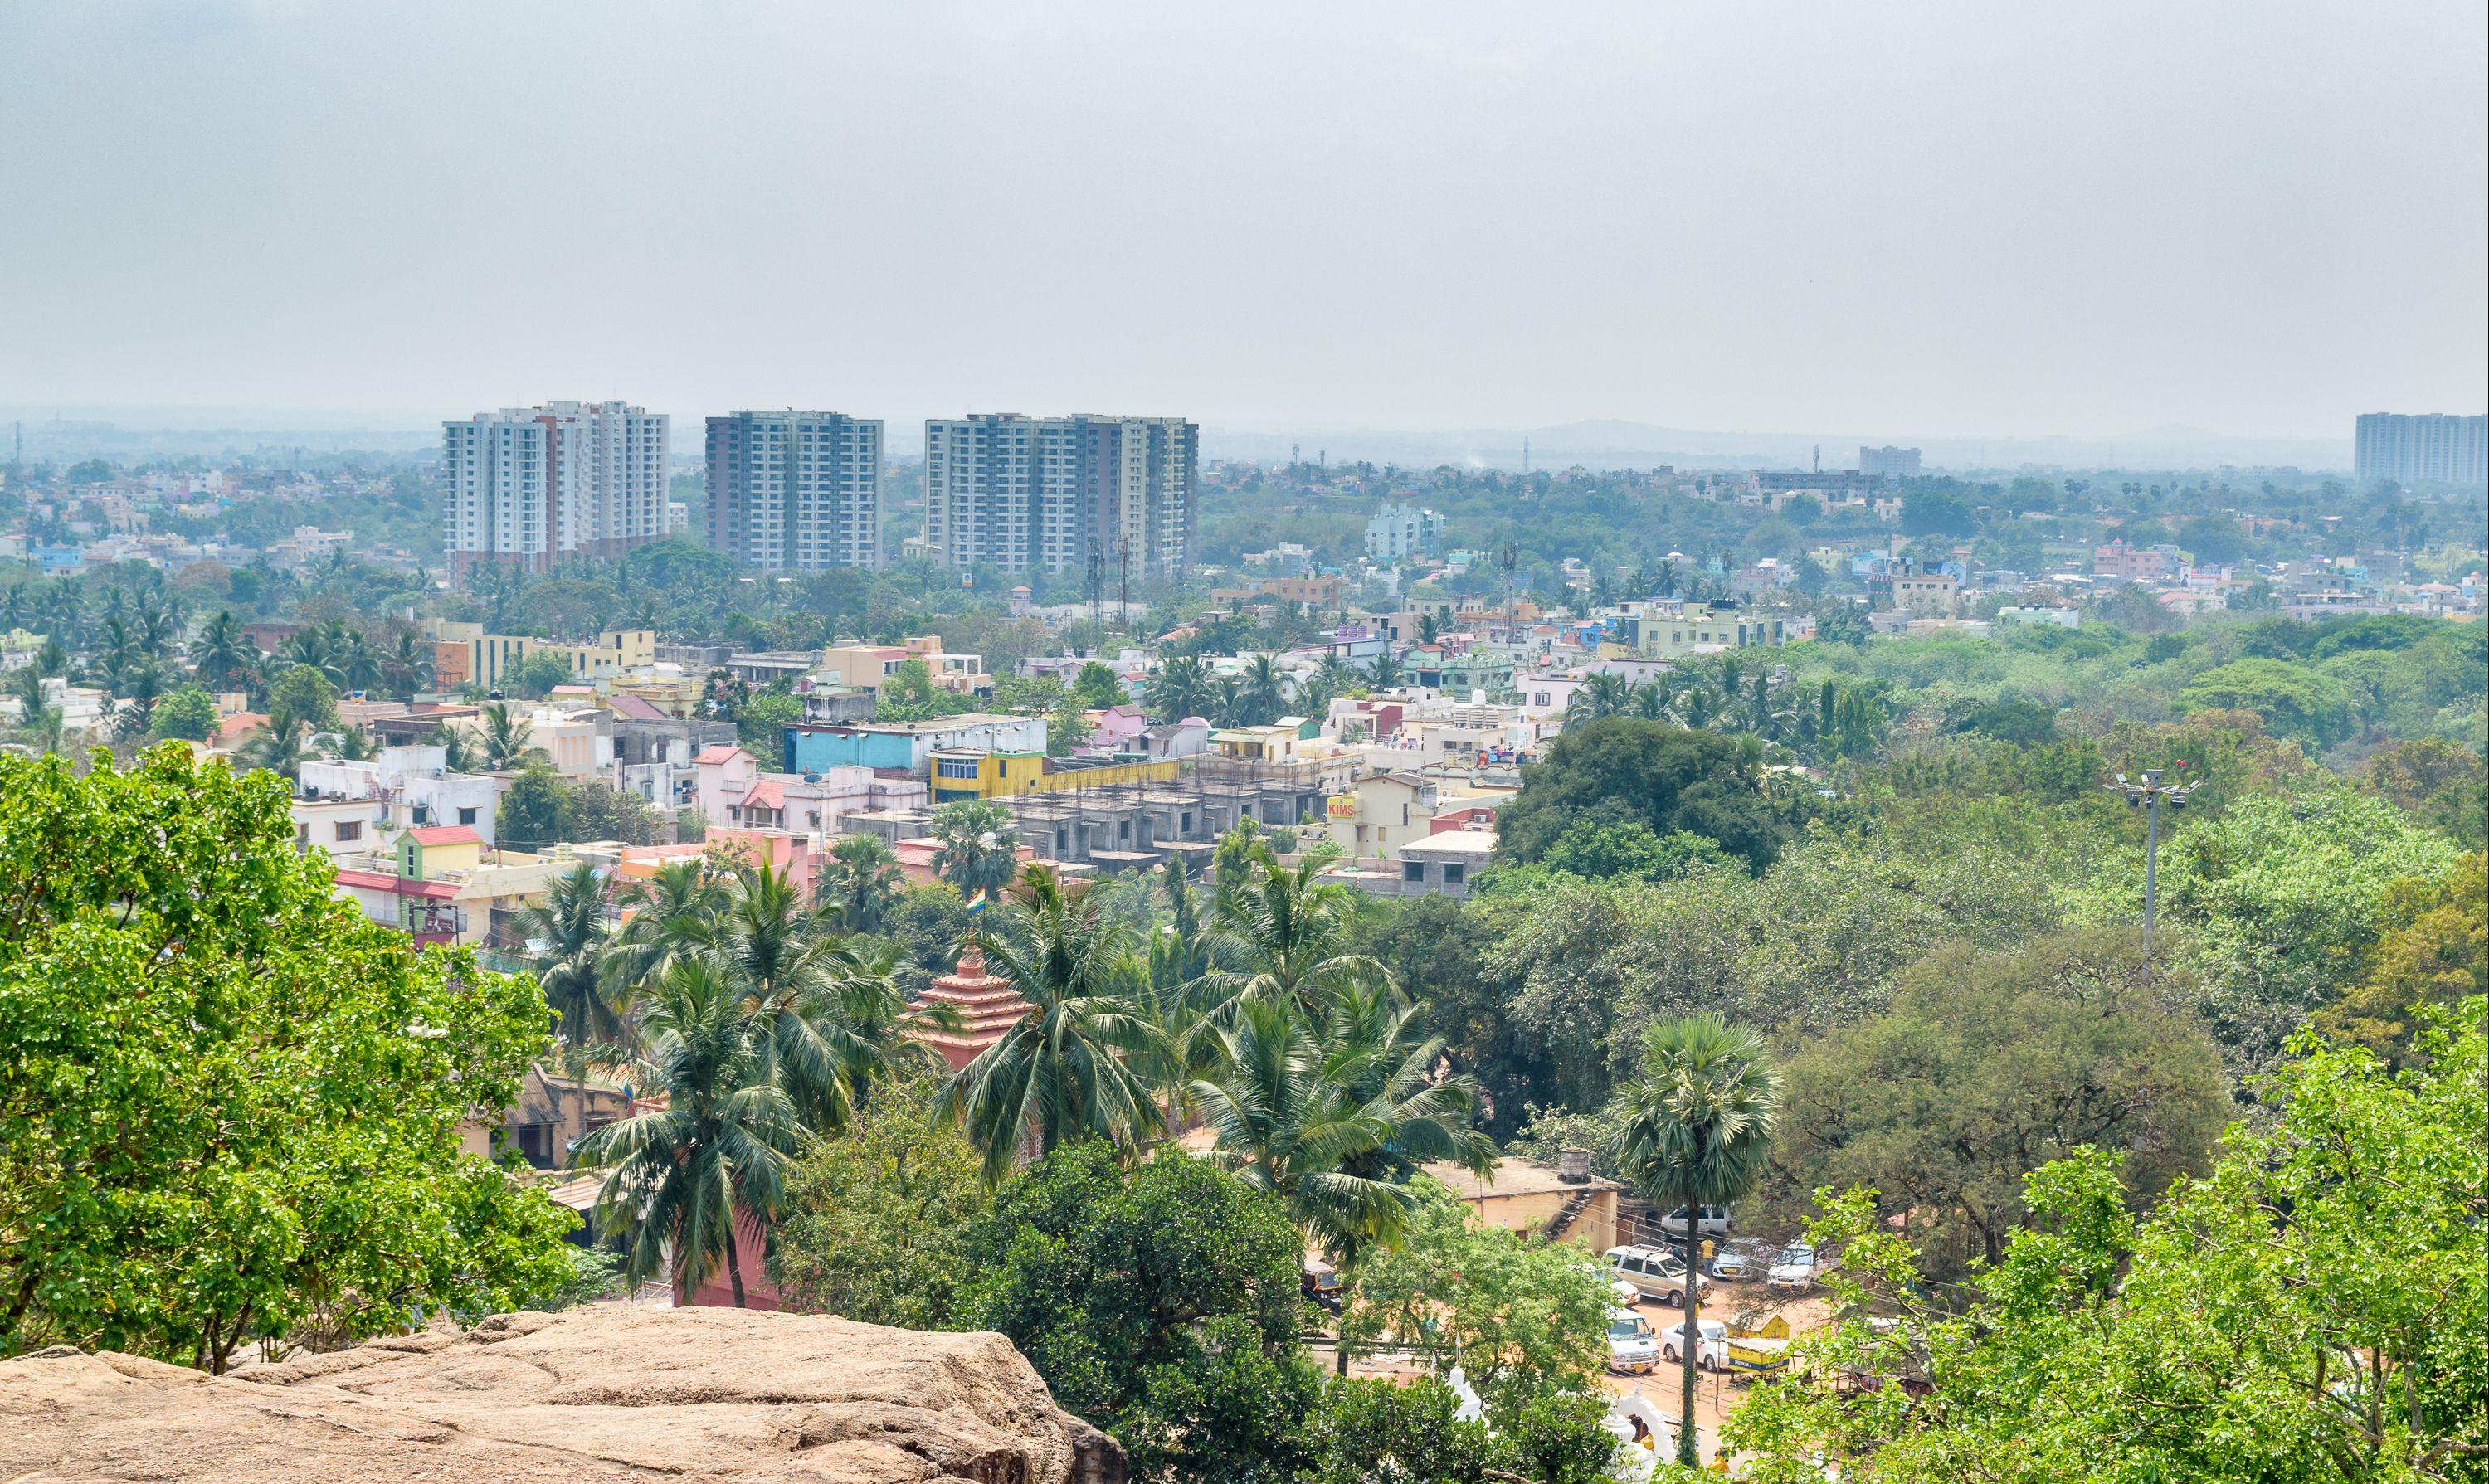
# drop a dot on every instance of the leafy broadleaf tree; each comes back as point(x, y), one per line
point(2312, 1309)
point(230, 1104)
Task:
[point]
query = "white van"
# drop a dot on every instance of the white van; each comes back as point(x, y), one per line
point(1631, 1346)
point(1715, 1222)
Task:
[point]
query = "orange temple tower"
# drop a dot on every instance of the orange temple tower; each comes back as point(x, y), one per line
point(989, 1006)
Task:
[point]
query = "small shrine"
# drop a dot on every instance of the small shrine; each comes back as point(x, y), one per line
point(989, 1006)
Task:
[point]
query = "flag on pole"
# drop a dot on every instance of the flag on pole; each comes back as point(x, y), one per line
point(976, 903)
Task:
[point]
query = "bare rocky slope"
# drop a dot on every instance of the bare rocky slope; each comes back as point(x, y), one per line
point(607, 1393)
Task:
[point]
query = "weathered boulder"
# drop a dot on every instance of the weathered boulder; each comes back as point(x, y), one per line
point(609, 1392)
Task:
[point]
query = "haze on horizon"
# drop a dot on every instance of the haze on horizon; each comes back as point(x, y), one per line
point(1918, 218)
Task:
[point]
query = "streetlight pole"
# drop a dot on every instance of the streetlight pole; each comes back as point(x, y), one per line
point(2147, 792)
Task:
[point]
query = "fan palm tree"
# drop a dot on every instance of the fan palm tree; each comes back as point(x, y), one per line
point(1334, 1113)
point(1281, 933)
point(686, 1180)
point(222, 654)
point(979, 852)
point(504, 740)
point(1697, 1132)
point(1062, 1072)
point(567, 938)
point(859, 881)
point(1181, 688)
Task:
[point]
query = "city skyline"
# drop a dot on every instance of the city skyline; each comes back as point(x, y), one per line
point(1402, 219)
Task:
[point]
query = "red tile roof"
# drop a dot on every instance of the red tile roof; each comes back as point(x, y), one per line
point(445, 834)
point(719, 753)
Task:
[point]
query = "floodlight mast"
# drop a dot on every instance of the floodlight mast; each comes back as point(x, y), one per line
point(2147, 793)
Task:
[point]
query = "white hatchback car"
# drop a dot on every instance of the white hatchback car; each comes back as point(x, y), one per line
point(1793, 1271)
point(1711, 1356)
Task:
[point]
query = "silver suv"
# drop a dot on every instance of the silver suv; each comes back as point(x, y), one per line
point(1656, 1273)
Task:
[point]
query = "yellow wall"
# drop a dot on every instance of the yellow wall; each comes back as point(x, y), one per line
point(1002, 775)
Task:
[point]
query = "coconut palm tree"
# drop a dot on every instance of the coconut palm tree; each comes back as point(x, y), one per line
point(311, 646)
point(17, 606)
point(682, 1180)
point(1261, 692)
point(1697, 1132)
point(406, 665)
point(1061, 1073)
point(831, 1018)
point(1281, 933)
point(859, 881)
point(979, 852)
point(354, 664)
point(1385, 671)
point(1334, 1113)
point(504, 739)
point(1181, 688)
point(280, 747)
point(222, 654)
point(668, 915)
point(1604, 694)
point(566, 940)
point(61, 617)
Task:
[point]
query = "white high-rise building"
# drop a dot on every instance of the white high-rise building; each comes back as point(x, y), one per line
point(795, 491)
point(529, 486)
point(2429, 448)
point(1399, 531)
point(1888, 463)
point(1050, 493)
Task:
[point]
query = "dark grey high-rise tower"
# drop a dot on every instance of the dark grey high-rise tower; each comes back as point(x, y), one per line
point(795, 491)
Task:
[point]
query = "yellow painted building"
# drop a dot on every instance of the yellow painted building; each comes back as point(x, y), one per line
point(956, 775)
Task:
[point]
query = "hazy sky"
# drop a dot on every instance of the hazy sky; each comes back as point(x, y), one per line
point(1943, 218)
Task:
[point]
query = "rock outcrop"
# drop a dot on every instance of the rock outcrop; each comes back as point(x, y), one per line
point(607, 1393)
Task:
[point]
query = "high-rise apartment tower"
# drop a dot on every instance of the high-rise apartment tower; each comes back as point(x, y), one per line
point(795, 491)
point(1050, 493)
point(2430, 449)
point(528, 486)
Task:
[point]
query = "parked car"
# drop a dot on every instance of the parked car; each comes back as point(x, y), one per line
point(1793, 1270)
point(1740, 1259)
point(1631, 1346)
point(1712, 1355)
point(1715, 1222)
point(1656, 1273)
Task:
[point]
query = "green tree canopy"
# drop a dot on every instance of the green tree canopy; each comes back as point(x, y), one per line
point(2312, 1309)
point(1121, 1288)
point(187, 714)
point(230, 1104)
point(1621, 769)
point(1986, 1064)
point(2294, 699)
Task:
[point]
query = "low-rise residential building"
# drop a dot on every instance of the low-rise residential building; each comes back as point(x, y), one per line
point(443, 885)
point(909, 746)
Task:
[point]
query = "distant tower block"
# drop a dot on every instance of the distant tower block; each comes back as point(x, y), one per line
point(988, 1007)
